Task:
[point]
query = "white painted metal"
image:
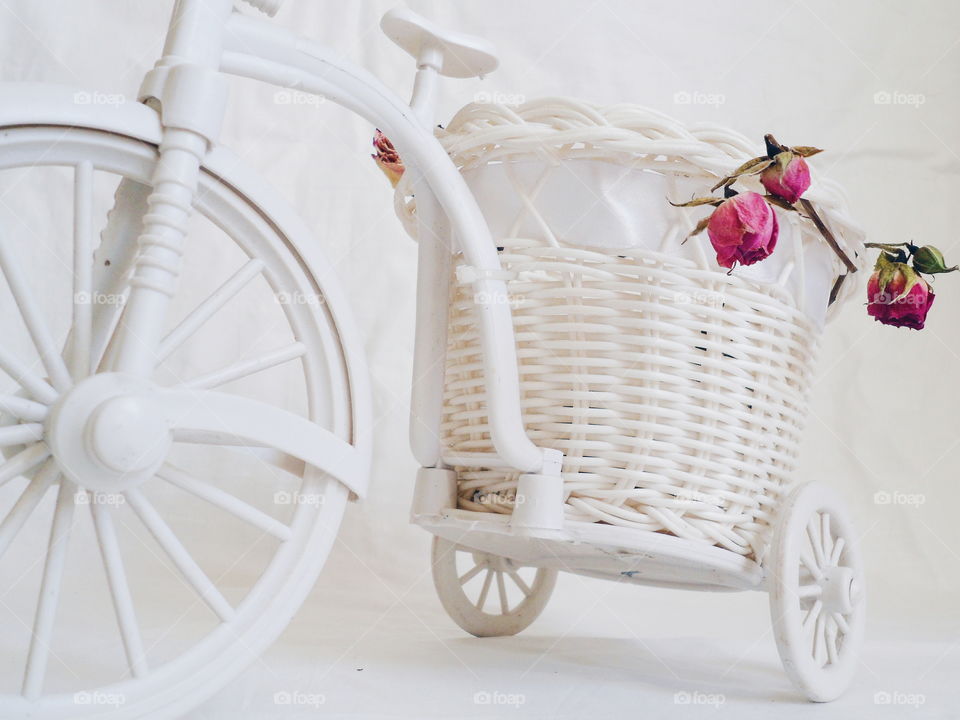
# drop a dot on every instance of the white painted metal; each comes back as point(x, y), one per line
point(451, 53)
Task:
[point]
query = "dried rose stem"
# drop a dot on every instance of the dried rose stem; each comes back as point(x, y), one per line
point(827, 234)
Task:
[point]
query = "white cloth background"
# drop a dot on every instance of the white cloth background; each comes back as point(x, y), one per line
point(372, 638)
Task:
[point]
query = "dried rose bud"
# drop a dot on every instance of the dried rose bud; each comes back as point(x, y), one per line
point(387, 158)
point(788, 177)
point(743, 229)
point(929, 259)
point(897, 295)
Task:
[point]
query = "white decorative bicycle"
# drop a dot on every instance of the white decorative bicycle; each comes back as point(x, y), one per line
point(132, 396)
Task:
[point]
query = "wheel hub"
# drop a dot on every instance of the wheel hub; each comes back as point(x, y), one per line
point(104, 436)
point(838, 589)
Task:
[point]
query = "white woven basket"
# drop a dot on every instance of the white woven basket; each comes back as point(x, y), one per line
point(677, 392)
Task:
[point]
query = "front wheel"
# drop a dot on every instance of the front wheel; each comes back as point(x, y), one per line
point(817, 594)
point(142, 597)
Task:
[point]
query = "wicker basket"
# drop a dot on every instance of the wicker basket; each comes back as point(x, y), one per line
point(677, 392)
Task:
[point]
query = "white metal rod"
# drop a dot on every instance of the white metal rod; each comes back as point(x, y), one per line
point(20, 434)
point(22, 408)
point(81, 333)
point(245, 368)
point(26, 504)
point(25, 377)
point(33, 317)
point(225, 501)
point(206, 309)
point(23, 461)
point(50, 586)
point(119, 589)
point(181, 557)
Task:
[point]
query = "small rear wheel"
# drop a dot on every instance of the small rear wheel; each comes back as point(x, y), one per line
point(488, 595)
point(817, 598)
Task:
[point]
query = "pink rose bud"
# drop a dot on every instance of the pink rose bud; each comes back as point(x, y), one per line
point(743, 229)
point(387, 158)
point(788, 177)
point(897, 296)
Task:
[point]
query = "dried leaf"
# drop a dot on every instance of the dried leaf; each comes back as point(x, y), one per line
point(698, 201)
point(805, 150)
point(701, 226)
point(750, 167)
point(779, 202)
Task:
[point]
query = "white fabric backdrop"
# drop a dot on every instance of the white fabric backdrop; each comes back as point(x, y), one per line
point(372, 638)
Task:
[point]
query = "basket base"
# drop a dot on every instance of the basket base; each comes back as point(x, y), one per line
point(604, 551)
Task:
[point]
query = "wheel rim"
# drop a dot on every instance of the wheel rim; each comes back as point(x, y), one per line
point(818, 595)
point(291, 542)
point(486, 594)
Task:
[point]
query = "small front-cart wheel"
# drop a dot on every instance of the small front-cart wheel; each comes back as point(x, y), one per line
point(488, 595)
point(817, 598)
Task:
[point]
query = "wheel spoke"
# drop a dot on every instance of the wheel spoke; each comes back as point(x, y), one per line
point(813, 532)
point(818, 641)
point(502, 590)
point(809, 591)
point(23, 462)
point(484, 590)
point(39, 653)
point(245, 368)
point(26, 504)
point(810, 564)
point(119, 589)
point(22, 408)
point(524, 588)
point(225, 501)
point(826, 539)
point(208, 308)
point(82, 330)
point(837, 551)
point(471, 573)
point(841, 622)
point(20, 434)
point(33, 317)
point(181, 557)
point(830, 633)
point(812, 614)
point(25, 377)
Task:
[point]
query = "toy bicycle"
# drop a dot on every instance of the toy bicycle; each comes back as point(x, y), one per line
point(548, 442)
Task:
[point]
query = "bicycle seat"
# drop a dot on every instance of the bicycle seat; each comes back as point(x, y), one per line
point(462, 55)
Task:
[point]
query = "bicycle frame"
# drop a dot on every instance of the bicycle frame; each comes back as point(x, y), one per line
point(207, 40)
